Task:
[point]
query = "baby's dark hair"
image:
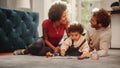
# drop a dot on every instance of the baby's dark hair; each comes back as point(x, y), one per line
point(75, 28)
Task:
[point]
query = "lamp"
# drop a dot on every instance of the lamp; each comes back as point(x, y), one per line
point(23, 4)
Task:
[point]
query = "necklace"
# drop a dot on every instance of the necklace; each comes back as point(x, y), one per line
point(56, 27)
point(57, 30)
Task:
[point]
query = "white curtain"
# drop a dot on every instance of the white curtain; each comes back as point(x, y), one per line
point(23, 4)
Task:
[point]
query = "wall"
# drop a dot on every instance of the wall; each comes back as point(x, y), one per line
point(3, 3)
point(11, 4)
point(102, 4)
point(40, 10)
point(106, 4)
point(42, 7)
point(115, 25)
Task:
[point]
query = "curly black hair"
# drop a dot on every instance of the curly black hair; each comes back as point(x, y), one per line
point(103, 17)
point(76, 28)
point(56, 10)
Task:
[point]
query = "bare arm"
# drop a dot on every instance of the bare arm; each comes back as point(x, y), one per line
point(46, 39)
point(49, 44)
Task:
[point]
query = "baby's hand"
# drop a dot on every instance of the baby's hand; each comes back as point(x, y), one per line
point(85, 55)
point(62, 52)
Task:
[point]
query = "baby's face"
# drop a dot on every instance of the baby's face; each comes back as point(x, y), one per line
point(75, 36)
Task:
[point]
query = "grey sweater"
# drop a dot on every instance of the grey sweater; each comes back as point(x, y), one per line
point(99, 39)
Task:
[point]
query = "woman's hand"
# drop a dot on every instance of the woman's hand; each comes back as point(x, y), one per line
point(57, 49)
point(49, 54)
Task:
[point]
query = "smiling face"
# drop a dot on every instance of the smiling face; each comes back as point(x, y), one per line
point(93, 22)
point(75, 36)
point(57, 11)
point(63, 18)
point(100, 19)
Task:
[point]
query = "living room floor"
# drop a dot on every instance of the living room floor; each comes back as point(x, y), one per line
point(8, 60)
point(113, 51)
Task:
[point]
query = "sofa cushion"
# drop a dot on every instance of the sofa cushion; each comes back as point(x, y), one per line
point(18, 29)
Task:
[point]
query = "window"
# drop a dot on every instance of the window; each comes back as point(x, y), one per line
point(85, 12)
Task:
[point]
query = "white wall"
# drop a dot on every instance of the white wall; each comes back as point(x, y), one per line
point(42, 7)
point(37, 6)
point(8, 4)
point(11, 4)
point(106, 4)
point(72, 10)
point(3, 3)
point(102, 4)
point(115, 25)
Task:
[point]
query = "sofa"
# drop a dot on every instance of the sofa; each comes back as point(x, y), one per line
point(18, 29)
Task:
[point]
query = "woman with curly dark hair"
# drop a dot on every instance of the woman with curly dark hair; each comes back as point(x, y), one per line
point(99, 33)
point(53, 31)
